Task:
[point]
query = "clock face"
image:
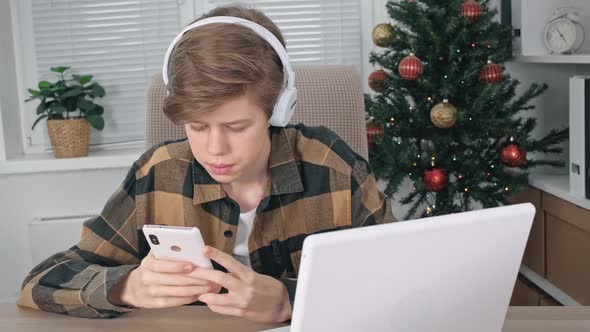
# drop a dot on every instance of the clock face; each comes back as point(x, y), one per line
point(562, 35)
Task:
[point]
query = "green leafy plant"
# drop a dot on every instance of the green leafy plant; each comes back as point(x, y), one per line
point(71, 96)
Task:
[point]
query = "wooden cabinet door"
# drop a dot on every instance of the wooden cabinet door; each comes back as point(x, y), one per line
point(568, 247)
point(534, 254)
point(524, 294)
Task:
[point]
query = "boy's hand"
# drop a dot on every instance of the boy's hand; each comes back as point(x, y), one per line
point(250, 295)
point(160, 283)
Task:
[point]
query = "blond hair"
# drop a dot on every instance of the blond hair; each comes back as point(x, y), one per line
point(216, 63)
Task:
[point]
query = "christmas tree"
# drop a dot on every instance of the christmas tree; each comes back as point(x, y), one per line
point(445, 113)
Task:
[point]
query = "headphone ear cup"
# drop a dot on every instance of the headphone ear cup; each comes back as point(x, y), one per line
point(284, 108)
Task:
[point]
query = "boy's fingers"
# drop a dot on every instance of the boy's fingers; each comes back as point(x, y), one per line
point(172, 279)
point(178, 291)
point(164, 266)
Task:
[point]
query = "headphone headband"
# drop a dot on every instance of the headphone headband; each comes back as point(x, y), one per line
point(285, 105)
point(259, 29)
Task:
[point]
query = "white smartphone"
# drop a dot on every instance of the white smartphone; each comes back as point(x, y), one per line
point(177, 243)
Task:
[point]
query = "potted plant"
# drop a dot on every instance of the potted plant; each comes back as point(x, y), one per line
point(68, 105)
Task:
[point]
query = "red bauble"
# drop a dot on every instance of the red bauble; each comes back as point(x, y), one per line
point(471, 10)
point(492, 73)
point(410, 67)
point(436, 179)
point(513, 155)
point(377, 80)
point(374, 131)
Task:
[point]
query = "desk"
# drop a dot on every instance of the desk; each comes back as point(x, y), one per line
point(14, 319)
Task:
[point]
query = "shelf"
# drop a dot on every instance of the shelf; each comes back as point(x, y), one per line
point(558, 185)
point(548, 287)
point(554, 58)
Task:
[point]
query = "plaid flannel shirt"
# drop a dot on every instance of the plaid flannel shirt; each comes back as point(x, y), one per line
point(318, 184)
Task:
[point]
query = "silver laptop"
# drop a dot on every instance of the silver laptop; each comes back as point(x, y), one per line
point(448, 273)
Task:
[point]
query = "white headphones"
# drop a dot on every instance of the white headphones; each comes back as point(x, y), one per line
point(285, 105)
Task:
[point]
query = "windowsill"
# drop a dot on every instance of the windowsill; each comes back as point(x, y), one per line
point(96, 159)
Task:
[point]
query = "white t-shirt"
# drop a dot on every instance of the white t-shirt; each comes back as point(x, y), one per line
point(241, 252)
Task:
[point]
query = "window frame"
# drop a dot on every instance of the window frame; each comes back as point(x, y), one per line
point(21, 23)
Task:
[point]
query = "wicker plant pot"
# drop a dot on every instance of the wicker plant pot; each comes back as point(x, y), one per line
point(69, 138)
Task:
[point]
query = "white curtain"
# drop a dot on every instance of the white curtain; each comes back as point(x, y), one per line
point(122, 43)
point(316, 31)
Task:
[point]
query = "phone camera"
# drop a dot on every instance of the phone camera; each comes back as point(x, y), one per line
point(154, 239)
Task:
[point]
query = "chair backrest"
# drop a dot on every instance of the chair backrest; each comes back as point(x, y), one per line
point(327, 95)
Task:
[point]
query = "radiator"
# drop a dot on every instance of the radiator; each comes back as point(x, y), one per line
point(49, 235)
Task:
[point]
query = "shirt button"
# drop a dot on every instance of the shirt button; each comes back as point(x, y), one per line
point(228, 234)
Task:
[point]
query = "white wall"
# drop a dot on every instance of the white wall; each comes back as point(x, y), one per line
point(552, 107)
point(25, 197)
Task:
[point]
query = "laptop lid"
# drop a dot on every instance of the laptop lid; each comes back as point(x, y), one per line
point(447, 273)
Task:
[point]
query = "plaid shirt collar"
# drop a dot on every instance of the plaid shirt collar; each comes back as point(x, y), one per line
point(284, 173)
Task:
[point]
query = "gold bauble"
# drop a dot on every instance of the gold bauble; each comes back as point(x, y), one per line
point(443, 115)
point(382, 34)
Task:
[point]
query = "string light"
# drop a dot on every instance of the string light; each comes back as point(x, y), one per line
point(429, 98)
point(506, 189)
point(414, 164)
point(462, 82)
point(454, 158)
point(458, 51)
point(418, 156)
point(391, 122)
point(473, 45)
point(446, 76)
point(470, 119)
point(466, 190)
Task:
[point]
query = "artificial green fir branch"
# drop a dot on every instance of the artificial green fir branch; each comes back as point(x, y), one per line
point(453, 51)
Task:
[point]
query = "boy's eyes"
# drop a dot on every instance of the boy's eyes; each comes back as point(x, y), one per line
point(236, 129)
point(198, 128)
point(230, 128)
